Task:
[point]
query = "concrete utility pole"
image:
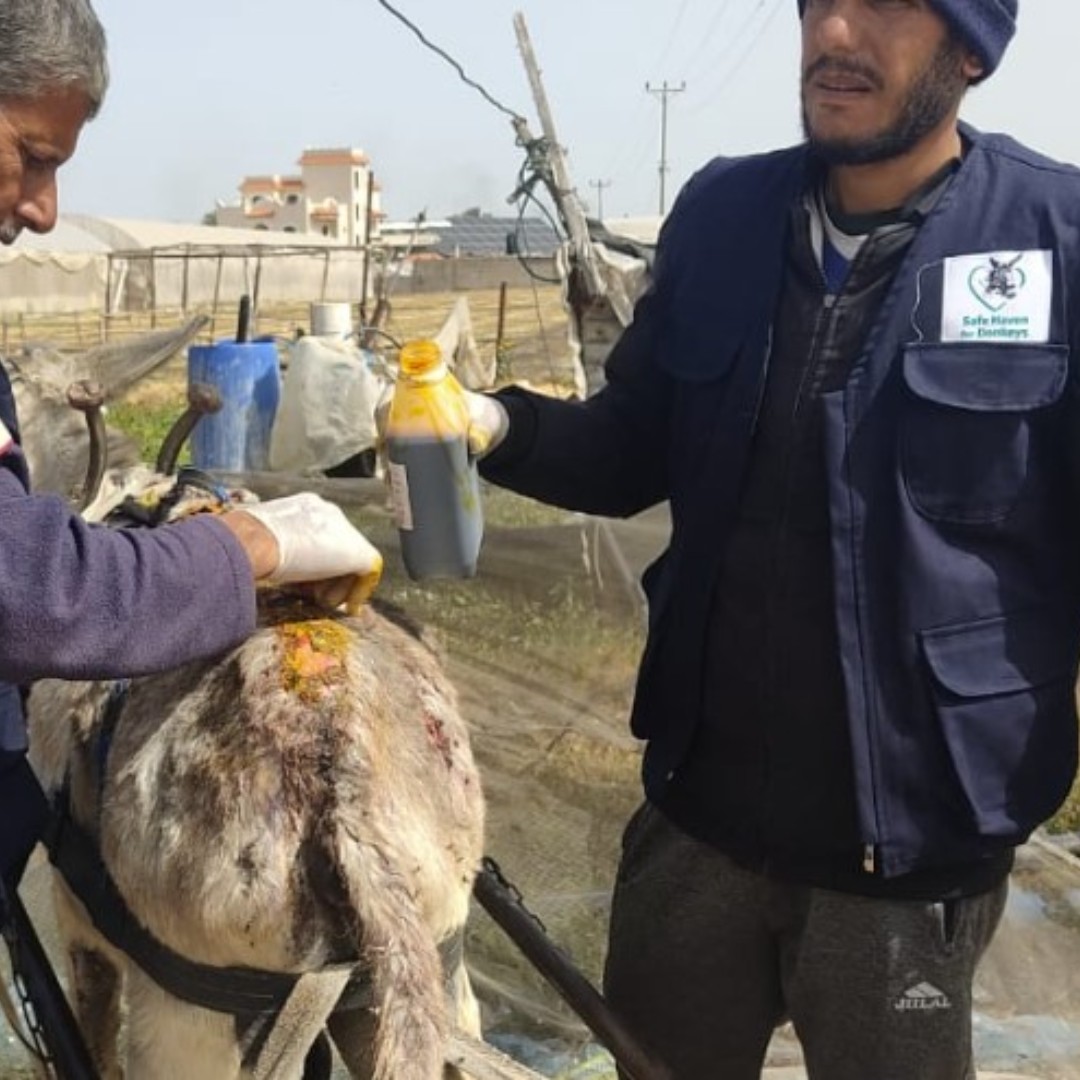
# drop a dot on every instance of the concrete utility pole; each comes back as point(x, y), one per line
point(600, 185)
point(663, 93)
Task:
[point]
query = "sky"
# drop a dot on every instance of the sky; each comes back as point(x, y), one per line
point(205, 92)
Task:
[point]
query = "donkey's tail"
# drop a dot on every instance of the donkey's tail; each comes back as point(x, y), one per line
point(397, 948)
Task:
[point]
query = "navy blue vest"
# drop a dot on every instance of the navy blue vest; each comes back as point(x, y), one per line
point(953, 503)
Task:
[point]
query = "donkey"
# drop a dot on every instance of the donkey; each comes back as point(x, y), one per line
point(306, 805)
point(57, 443)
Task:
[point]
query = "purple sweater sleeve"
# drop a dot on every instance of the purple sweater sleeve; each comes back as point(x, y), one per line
point(81, 601)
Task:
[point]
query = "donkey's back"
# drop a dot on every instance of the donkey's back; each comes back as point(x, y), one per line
point(307, 800)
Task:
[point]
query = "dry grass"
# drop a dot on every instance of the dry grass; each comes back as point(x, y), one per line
point(534, 347)
point(534, 334)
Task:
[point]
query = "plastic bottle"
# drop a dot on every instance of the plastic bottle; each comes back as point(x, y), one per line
point(434, 485)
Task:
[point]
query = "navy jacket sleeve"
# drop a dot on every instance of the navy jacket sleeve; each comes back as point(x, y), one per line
point(84, 601)
point(605, 455)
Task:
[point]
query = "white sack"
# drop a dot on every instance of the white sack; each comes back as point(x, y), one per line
point(327, 408)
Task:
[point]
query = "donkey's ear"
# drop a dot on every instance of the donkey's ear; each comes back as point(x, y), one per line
point(119, 365)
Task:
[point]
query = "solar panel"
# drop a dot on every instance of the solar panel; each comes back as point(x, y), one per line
point(489, 236)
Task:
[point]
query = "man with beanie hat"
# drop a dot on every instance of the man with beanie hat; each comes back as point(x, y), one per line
point(985, 26)
point(854, 379)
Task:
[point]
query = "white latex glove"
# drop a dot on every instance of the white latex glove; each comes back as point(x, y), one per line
point(488, 422)
point(316, 543)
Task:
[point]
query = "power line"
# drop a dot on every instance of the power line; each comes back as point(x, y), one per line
point(663, 93)
point(449, 59)
point(708, 98)
point(705, 40)
point(673, 33)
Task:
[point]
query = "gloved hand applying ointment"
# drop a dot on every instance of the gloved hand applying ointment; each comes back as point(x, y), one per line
point(303, 539)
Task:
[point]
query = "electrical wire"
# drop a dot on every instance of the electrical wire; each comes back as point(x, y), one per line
point(672, 33)
point(629, 157)
point(709, 97)
point(449, 59)
point(690, 71)
point(528, 178)
point(532, 171)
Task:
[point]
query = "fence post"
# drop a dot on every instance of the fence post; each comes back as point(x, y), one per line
point(217, 295)
point(184, 285)
point(255, 289)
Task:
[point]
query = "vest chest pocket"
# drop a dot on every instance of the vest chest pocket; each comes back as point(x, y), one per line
point(969, 424)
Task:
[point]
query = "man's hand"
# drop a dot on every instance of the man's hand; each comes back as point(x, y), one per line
point(488, 422)
point(305, 539)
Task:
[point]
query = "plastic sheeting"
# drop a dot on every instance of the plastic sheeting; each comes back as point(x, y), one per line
point(99, 264)
point(332, 387)
point(43, 282)
point(327, 412)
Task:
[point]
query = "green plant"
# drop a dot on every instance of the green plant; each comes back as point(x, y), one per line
point(147, 424)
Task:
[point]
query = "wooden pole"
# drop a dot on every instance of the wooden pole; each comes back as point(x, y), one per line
point(108, 283)
point(184, 286)
point(153, 291)
point(562, 191)
point(217, 295)
point(367, 246)
point(501, 367)
point(255, 289)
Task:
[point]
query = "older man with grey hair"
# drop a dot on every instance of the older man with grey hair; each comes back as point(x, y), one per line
point(79, 601)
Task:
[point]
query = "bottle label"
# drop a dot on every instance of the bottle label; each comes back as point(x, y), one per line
point(399, 495)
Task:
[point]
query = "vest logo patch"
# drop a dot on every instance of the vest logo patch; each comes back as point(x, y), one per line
point(998, 283)
point(998, 297)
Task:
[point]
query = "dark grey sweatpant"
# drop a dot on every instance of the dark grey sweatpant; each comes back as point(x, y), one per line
point(706, 958)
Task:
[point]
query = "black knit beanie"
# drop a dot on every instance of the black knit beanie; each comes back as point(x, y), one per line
point(985, 26)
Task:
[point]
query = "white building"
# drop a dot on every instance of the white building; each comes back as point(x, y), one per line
point(334, 196)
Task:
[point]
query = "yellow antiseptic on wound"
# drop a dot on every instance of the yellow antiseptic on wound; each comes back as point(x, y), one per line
point(312, 657)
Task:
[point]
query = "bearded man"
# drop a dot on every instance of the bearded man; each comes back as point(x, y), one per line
point(853, 380)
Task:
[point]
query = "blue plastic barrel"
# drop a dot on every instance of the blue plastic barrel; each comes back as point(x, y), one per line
point(247, 377)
